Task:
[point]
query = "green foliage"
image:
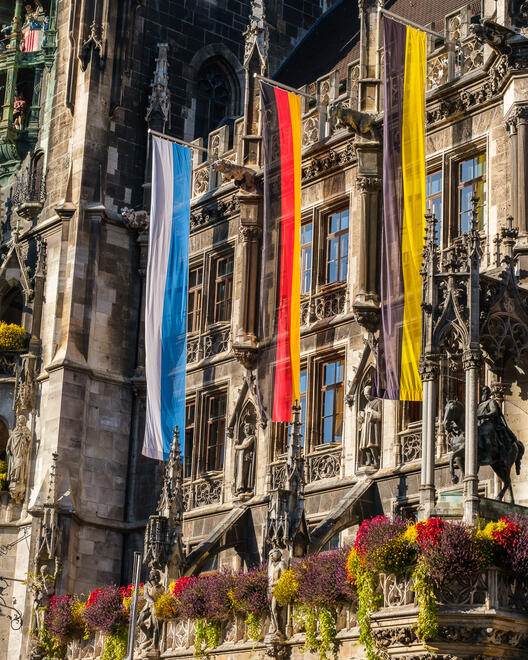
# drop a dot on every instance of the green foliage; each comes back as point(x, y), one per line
point(12, 337)
point(206, 636)
point(368, 602)
point(115, 645)
point(327, 632)
point(320, 630)
point(254, 627)
point(48, 645)
point(427, 625)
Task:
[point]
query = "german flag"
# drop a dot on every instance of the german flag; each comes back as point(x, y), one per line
point(403, 226)
point(282, 221)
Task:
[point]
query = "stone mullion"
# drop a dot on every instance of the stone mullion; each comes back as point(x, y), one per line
point(521, 170)
point(429, 372)
point(472, 360)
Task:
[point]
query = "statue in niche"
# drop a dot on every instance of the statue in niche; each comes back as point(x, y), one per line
point(42, 586)
point(245, 460)
point(369, 420)
point(17, 454)
point(276, 567)
point(147, 621)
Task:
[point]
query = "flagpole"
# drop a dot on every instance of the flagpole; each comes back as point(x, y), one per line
point(138, 560)
point(190, 145)
point(287, 88)
point(412, 24)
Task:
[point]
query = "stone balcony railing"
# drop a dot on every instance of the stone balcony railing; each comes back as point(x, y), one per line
point(486, 617)
point(326, 305)
point(208, 345)
point(202, 492)
point(409, 444)
point(323, 463)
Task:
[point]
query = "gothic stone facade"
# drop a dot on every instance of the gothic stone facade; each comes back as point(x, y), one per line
point(74, 265)
point(72, 155)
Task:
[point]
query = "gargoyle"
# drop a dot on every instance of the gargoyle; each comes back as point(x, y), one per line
point(362, 123)
point(244, 177)
point(493, 34)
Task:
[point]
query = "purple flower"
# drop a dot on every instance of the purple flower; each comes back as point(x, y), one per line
point(207, 597)
point(323, 579)
point(518, 557)
point(453, 558)
point(107, 612)
point(59, 619)
point(250, 592)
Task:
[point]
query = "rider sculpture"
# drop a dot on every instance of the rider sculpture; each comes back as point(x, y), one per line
point(498, 446)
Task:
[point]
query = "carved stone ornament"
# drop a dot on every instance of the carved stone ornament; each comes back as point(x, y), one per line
point(330, 161)
point(368, 183)
point(18, 448)
point(243, 177)
point(245, 453)
point(93, 46)
point(148, 624)
point(363, 124)
point(369, 423)
point(208, 215)
point(163, 534)
point(467, 100)
point(257, 35)
point(135, 219)
point(159, 99)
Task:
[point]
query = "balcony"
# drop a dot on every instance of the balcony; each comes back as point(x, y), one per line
point(486, 617)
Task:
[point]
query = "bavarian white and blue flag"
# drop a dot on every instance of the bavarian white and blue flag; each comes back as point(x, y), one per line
point(166, 296)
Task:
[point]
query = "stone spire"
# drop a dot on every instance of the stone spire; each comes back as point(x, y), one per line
point(257, 36)
point(158, 109)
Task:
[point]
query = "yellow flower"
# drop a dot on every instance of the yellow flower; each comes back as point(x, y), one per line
point(410, 534)
point(12, 337)
point(287, 587)
point(487, 532)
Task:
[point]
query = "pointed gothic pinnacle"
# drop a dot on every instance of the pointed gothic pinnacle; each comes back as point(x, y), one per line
point(50, 500)
point(175, 451)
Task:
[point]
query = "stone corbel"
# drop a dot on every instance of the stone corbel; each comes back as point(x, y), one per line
point(243, 177)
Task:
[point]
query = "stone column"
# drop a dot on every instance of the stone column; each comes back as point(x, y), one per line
point(429, 372)
point(517, 124)
point(245, 344)
point(471, 360)
point(368, 238)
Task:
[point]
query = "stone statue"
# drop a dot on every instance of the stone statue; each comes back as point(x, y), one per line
point(42, 586)
point(147, 621)
point(244, 177)
point(244, 460)
point(276, 567)
point(17, 459)
point(498, 446)
point(361, 123)
point(370, 424)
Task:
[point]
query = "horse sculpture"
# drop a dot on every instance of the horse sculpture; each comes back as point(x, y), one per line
point(497, 445)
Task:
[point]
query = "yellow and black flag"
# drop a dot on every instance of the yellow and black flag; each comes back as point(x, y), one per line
point(403, 226)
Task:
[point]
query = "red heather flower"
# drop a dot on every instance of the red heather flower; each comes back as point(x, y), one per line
point(181, 584)
point(59, 620)
point(508, 536)
point(429, 531)
point(92, 598)
point(363, 530)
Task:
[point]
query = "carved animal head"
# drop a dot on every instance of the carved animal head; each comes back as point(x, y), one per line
point(453, 412)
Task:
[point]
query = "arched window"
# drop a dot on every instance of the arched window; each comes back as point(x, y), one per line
point(217, 97)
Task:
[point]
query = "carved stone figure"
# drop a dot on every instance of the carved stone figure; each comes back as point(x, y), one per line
point(244, 177)
point(361, 123)
point(147, 622)
point(498, 446)
point(17, 454)
point(43, 587)
point(370, 434)
point(244, 460)
point(275, 568)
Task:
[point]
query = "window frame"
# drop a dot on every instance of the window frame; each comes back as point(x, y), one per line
point(338, 209)
point(460, 186)
point(304, 248)
point(215, 258)
point(197, 314)
point(314, 395)
point(188, 403)
point(208, 421)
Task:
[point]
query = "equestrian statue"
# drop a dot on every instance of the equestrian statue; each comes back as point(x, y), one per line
point(497, 444)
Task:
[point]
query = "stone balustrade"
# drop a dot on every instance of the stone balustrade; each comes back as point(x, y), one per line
point(483, 617)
